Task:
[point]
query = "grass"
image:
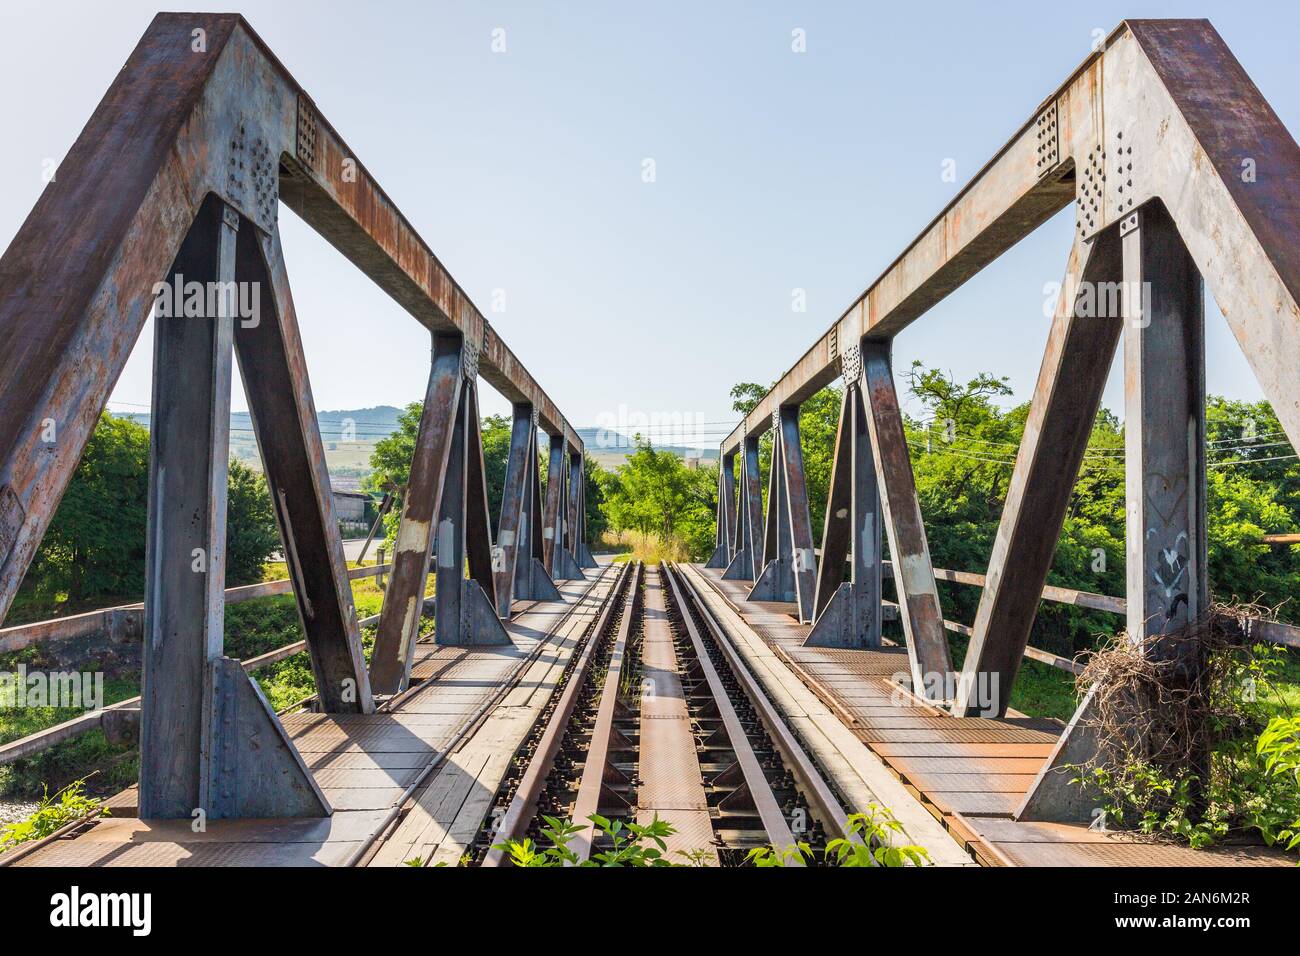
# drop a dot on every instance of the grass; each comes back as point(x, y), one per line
point(650, 548)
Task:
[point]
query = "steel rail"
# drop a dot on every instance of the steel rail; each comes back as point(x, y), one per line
point(523, 805)
point(825, 803)
point(760, 790)
point(370, 845)
point(587, 802)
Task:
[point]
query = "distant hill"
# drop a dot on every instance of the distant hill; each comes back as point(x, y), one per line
point(365, 426)
point(611, 448)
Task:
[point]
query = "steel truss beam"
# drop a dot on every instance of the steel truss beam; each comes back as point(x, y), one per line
point(558, 558)
point(848, 613)
point(210, 745)
point(918, 596)
point(183, 120)
point(745, 555)
point(789, 563)
point(1080, 349)
point(1162, 123)
point(1164, 480)
point(200, 137)
point(517, 558)
point(726, 513)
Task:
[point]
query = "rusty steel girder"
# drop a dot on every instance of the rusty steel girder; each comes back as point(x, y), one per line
point(1162, 111)
point(201, 107)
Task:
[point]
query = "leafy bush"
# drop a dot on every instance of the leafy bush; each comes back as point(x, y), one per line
point(868, 841)
point(1279, 747)
point(53, 812)
point(1190, 752)
point(95, 545)
point(633, 844)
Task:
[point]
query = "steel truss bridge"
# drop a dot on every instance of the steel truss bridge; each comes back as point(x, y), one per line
point(765, 705)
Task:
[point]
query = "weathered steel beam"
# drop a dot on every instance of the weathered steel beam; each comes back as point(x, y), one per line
point(399, 621)
point(582, 553)
point(478, 516)
point(189, 440)
point(1080, 350)
point(184, 119)
point(848, 613)
point(918, 597)
point(274, 371)
point(1162, 110)
point(790, 567)
point(513, 523)
point(553, 521)
point(726, 512)
point(463, 615)
point(745, 557)
point(1164, 430)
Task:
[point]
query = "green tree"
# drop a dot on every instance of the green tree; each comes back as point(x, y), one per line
point(390, 463)
point(251, 532)
point(94, 547)
point(654, 493)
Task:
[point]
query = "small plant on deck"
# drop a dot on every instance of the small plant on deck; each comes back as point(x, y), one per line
point(53, 812)
point(633, 844)
point(867, 841)
point(1190, 753)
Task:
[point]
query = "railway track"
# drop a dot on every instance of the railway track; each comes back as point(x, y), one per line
point(657, 716)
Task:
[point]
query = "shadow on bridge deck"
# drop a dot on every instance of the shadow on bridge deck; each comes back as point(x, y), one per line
point(365, 763)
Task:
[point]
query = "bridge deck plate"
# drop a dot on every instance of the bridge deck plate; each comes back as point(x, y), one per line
point(970, 772)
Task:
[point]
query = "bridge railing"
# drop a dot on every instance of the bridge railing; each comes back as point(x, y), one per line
point(1160, 142)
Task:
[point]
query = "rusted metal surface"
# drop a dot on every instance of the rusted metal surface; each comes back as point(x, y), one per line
point(274, 371)
point(594, 773)
point(848, 613)
point(514, 521)
point(760, 791)
point(523, 804)
point(1172, 92)
point(553, 519)
point(825, 802)
point(745, 555)
point(670, 784)
point(1080, 350)
point(186, 541)
point(1164, 433)
point(921, 615)
point(796, 501)
point(399, 623)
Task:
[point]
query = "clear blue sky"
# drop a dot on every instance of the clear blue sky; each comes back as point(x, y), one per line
point(774, 171)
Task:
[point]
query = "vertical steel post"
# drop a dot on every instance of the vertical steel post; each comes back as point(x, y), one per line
point(748, 527)
point(726, 513)
point(790, 566)
point(553, 523)
point(189, 446)
point(848, 613)
point(514, 510)
point(1164, 430)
